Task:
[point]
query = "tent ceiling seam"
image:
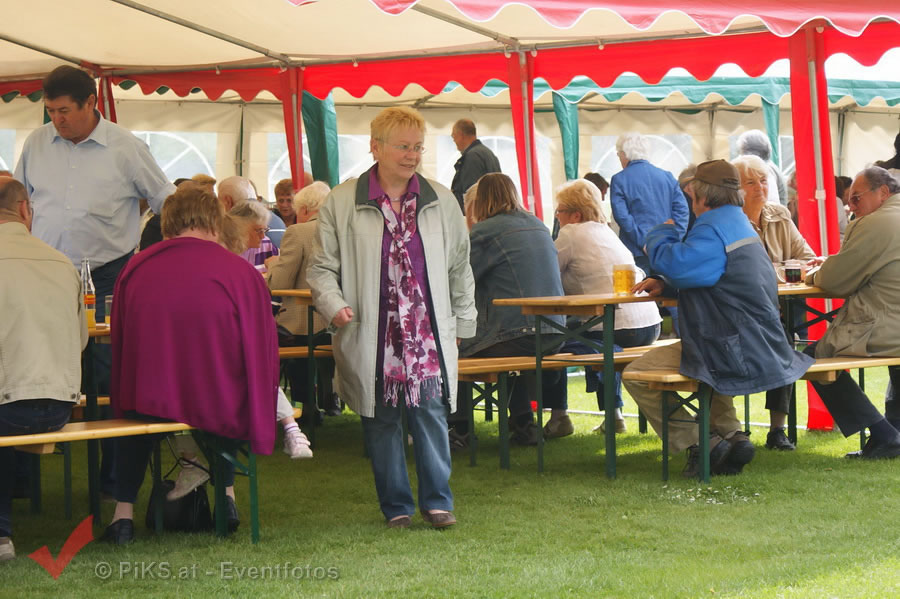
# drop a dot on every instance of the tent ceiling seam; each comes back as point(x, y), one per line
point(499, 37)
point(282, 58)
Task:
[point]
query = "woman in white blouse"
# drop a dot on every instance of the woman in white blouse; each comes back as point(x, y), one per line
point(587, 250)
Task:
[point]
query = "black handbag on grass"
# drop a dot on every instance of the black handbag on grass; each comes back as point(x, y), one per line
point(190, 513)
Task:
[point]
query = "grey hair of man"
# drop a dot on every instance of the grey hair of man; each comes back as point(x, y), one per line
point(11, 194)
point(237, 188)
point(717, 195)
point(251, 210)
point(311, 197)
point(877, 176)
point(633, 146)
point(756, 143)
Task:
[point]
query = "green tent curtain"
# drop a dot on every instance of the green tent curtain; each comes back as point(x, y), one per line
point(567, 117)
point(320, 123)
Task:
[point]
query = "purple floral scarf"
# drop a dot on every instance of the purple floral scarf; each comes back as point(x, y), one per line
point(411, 362)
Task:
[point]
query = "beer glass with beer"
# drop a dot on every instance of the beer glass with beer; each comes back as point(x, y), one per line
point(623, 278)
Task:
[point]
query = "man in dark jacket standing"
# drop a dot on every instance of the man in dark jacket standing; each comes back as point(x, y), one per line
point(476, 160)
point(732, 338)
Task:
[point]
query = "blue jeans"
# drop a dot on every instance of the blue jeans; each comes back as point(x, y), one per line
point(24, 417)
point(385, 444)
point(622, 338)
point(104, 279)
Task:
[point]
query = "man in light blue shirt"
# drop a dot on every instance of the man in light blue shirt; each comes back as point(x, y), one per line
point(86, 176)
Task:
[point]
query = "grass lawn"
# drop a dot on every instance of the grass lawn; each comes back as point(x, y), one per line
point(803, 524)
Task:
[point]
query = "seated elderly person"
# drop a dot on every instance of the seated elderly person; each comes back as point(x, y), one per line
point(185, 308)
point(782, 241)
point(512, 255)
point(731, 334)
point(588, 249)
point(289, 272)
point(867, 272)
point(42, 333)
point(259, 247)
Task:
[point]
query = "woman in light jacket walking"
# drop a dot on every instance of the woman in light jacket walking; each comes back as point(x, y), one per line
point(392, 276)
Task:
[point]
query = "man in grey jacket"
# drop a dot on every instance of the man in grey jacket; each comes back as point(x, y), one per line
point(476, 159)
point(867, 272)
point(42, 334)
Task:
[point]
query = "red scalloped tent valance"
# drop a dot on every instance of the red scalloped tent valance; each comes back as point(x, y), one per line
point(782, 17)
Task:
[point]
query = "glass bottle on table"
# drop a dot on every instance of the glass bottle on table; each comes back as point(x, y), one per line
point(90, 296)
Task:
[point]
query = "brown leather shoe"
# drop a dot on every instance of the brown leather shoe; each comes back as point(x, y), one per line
point(439, 519)
point(399, 522)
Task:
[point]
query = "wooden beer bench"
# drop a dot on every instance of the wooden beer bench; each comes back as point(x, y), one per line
point(489, 374)
point(671, 382)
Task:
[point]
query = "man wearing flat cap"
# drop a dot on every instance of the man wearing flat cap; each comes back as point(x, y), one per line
point(731, 334)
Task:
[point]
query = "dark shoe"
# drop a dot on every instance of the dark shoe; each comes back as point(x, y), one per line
point(458, 442)
point(333, 405)
point(741, 454)
point(120, 532)
point(439, 519)
point(526, 434)
point(718, 454)
point(776, 439)
point(559, 427)
point(876, 450)
point(233, 518)
point(399, 522)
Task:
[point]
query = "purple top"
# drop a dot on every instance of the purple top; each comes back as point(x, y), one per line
point(257, 256)
point(416, 255)
point(193, 340)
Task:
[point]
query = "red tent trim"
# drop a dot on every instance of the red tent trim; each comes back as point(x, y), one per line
point(782, 17)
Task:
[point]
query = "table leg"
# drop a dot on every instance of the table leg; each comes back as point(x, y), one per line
point(703, 400)
point(311, 381)
point(539, 392)
point(90, 413)
point(609, 387)
point(503, 415)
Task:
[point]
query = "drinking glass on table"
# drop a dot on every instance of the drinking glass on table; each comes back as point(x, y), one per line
point(108, 309)
point(623, 278)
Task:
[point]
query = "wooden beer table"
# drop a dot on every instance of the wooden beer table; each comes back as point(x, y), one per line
point(597, 309)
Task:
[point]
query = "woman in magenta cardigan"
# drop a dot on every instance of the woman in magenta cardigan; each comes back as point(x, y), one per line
point(193, 340)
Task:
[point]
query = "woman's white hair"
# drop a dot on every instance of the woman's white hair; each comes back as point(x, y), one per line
point(748, 163)
point(311, 197)
point(253, 211)
point(634, 146)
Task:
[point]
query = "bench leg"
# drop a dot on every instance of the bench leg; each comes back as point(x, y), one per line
point(254, 497)
point(221, 513)
point(469, 398)
point(746, 412)
point(664, 435)
point(792, 416)
point(642, 423)
point(158, 514)
point(862, 385)
point(503, 413)
point(67, 478)
point(35, 483)
point(703, 400)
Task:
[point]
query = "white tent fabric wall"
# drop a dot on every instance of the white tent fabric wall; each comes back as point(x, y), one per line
point(868, 134)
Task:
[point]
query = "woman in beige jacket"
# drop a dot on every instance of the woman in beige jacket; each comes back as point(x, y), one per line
point(782, 240)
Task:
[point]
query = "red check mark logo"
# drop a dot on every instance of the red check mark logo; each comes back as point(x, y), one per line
point(81, 536)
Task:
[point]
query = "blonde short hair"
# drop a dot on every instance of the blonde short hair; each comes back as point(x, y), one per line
point(311, 197)
point(393, 118)
point(235, 233)
point(580, 195)
point(748, 163)
point(204, 179)
point(192, 206)
point(253, 211)
point(496, 194)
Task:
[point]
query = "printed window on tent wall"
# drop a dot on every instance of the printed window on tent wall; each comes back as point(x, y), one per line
point(182, 153)
point(669, 152)
point(353, 158)
point(7, 149)
point(505, 150)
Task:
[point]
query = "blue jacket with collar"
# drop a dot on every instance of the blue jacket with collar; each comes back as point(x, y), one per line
point(643, 196)
point(731, 334)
